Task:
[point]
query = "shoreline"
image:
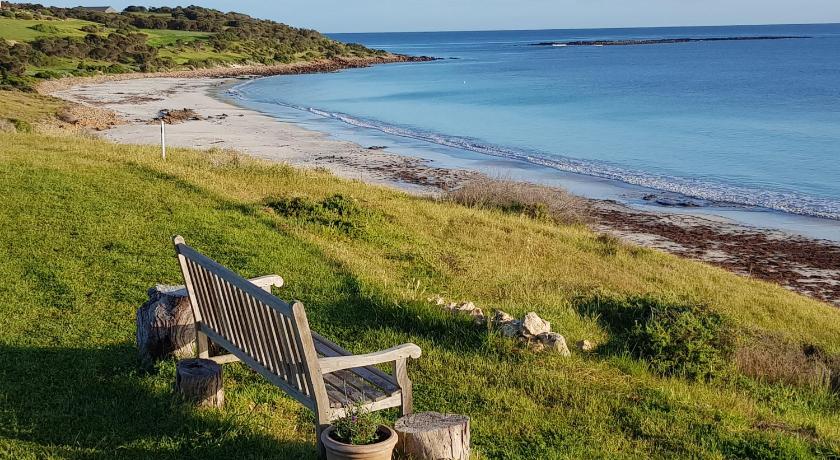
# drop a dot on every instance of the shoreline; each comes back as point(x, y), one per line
point(807, 266)
point(236, 71)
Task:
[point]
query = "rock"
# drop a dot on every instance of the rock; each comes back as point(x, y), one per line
point(466, 306)
point(437, 300)
point(674, 200)
point(511, 328)
point(585, 345)
point(469, 308)
point(7, 126)
point(68, 116)
point(476, 313)
point(500, 317)
point(536, 346)
point(533, 325)
point(555, 342)
point(165, 325)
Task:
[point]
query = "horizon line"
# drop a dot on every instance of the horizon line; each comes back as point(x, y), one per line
point(589, 28)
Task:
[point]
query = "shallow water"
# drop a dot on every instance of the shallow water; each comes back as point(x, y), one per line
point(736, 124)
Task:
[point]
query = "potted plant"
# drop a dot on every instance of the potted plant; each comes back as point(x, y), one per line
point(359, 435)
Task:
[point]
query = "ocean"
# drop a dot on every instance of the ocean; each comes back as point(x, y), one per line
point(745, 129)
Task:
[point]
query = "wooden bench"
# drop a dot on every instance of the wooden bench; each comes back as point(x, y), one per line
point(273, 338)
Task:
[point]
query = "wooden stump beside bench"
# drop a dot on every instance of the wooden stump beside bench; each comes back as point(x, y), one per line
point(200, 381)
point(273, 338)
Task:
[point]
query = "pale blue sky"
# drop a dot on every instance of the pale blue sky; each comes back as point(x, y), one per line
point(421, 15)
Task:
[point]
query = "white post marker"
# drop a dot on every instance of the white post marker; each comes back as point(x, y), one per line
point(162, 140)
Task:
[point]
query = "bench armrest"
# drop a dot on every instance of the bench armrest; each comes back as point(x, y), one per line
point(267, 281)
point(337, 363)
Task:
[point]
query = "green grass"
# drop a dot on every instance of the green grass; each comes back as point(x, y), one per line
point(28, 109)
point(159, 38)
point(182, 57)
point(87, 227)
point(20, 29)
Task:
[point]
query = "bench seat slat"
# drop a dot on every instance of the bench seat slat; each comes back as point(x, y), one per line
point(337, 398)
point(370, 392)
point(370, 374)
point(335, 383)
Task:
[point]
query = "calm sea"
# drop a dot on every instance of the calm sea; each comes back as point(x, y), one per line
point(746, 125)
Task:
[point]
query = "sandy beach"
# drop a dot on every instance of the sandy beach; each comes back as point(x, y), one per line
point(804, 265)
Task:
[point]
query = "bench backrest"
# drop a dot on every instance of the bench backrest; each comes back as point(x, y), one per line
point(269, 335)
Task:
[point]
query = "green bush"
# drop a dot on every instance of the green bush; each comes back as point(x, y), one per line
point(685, 340)
point(48, 74)
point(337, 212)
point(689, 341)
point(45, 28)
point(21, 126)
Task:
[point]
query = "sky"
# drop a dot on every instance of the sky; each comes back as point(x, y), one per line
point(430, 15)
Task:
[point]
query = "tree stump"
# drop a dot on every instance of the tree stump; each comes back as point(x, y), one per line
point(431, 435)
point(165, 325)
point(200, 381)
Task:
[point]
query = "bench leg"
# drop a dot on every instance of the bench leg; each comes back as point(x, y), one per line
point(401, 375)
point(203, 344)
point(320, 426)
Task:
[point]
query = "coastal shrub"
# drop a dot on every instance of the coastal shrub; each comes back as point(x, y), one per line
point(21, 126)
point(608, 245)
point(685, 340)
point(688, 341)
point(45, 28)
point(535, 201)
point(340, 213)
point(48, 74)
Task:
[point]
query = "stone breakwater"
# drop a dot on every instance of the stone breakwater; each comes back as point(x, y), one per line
point(234, 71)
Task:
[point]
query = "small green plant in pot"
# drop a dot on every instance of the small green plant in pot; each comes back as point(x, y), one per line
point(359, 435)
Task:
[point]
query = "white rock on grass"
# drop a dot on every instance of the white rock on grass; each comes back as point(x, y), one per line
point(500, 317)
point(437, 300)
point(585, 345)
point(511, 328)
point(533, 325)
point(470, 309)
point(555, 342)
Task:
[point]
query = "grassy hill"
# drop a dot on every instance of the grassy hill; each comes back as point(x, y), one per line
point(692, 361)
point(37, 42)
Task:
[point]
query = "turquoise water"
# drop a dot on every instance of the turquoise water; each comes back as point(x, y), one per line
point(728, 123)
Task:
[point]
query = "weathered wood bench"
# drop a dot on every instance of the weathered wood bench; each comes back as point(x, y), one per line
point(273, 338)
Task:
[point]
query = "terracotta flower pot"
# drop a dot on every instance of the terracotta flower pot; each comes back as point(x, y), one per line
point(381, 450)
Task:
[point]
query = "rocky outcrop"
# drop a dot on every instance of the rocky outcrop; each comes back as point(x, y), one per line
point(663, 41)
point(532, 331)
